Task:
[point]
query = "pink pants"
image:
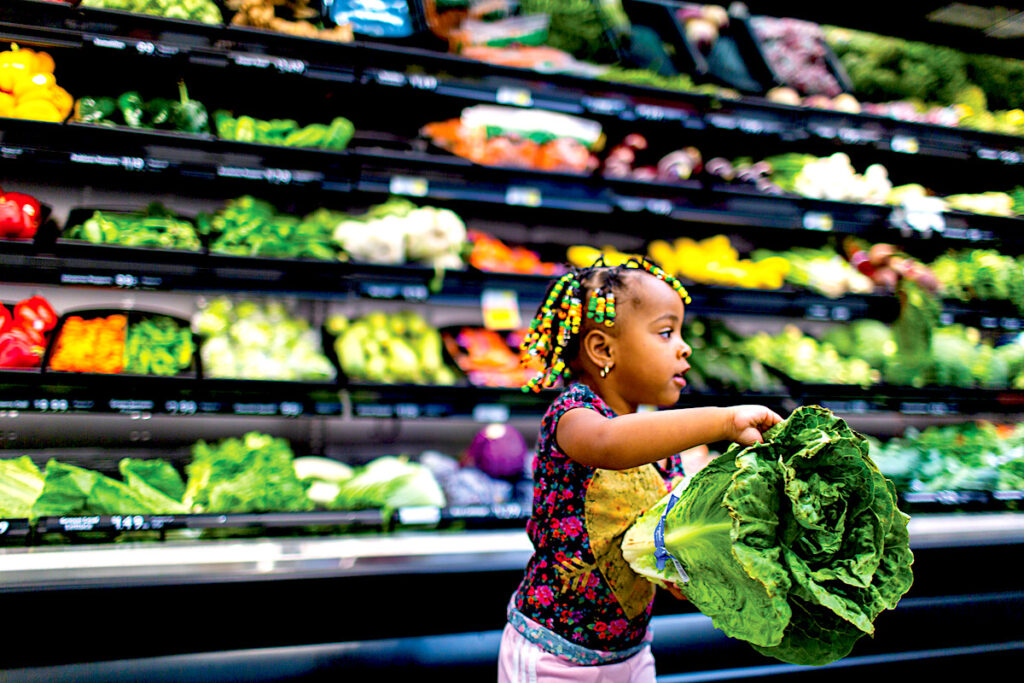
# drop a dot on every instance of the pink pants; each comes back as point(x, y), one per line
point(520, 661)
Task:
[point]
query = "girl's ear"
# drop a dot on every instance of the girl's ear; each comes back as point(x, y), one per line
point(598, 347)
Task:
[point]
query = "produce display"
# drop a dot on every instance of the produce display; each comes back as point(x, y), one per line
point(821, 270)
point(72, 490)
point(973, 456)
point(390, 348)
point(807, 359)
point(155, 227)
point(398, 231)
point(388, 482)
point(488, 358)
point(832, 178)
point(284, 132)
point(158, 345)
point(796, 51)
point(714, 261)
point(584, 256)
point(465, 484)
point(60, 489)
point(519, 138)
point(264, 340)
point(28, 87)
point(254, 473)
point(129, 109)
point(633, 160)
point(205, 11)
point(489, 253)
point(911, 80)
point(720, 363)
point(262, 14)
point(803, 530)
point(20, 485)
point(676, 82)
point(247, 226)
point(886, 264)
point(20, 215)
point(91, 344)
point(980, 275)
point(25, 332)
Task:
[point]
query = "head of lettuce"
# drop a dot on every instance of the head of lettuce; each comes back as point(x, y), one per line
point(794, 544)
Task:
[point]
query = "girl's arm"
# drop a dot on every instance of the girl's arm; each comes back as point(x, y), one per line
point(635, 439)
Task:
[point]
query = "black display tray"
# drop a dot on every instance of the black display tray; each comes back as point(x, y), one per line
point(133, 317)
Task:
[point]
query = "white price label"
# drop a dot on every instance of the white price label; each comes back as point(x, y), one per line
point(423, 81)
point(905, 143)
point(519, 97)
point(411, 186)
point(523, 196)
point(490, 413)
point(425, 514)
point(394, 78)
point(818, 220)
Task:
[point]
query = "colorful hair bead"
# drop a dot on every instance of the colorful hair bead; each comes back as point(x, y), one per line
point(559, 320)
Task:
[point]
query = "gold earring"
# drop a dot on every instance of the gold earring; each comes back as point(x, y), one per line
point(605, 370)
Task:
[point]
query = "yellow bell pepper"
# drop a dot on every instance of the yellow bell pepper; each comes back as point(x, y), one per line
point(38, 110)
point(7, 103)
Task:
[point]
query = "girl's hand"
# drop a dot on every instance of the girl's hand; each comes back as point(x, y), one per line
point(674, 590)
point(749, 422)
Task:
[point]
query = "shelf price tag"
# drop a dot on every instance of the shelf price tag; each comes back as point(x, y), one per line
point(501, 309)
point(490, 413)
point(423, 514)
point(519, 97)
point(907, 144)
point(412, 186)
point(818, 220)
point(517, 195)
point(423, 81)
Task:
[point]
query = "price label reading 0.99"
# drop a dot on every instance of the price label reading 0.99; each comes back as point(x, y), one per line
point(56, 405)
point(181, 407)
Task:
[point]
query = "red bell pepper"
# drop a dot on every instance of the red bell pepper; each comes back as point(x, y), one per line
point(17, 350)
point(5, 319)
point(35, 313)
point(20, 215)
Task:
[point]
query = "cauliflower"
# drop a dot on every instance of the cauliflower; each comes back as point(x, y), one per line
point(376, 241)
point(435, 235)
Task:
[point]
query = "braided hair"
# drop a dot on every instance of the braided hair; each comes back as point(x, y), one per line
point(554, 333)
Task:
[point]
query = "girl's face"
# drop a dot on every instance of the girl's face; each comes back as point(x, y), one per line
point(650, 354)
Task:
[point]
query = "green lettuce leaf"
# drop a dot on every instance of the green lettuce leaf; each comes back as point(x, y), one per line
point(72, 490)
point(20, 484)
point(795, 545)
point(254, 473)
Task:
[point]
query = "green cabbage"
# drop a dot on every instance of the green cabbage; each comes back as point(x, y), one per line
point(794, 545)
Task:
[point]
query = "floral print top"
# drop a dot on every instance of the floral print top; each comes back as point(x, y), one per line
point(577, 583)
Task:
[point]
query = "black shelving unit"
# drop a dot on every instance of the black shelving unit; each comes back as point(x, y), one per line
point(369, 79)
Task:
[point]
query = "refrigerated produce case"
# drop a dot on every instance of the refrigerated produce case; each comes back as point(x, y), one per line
point(308, 595)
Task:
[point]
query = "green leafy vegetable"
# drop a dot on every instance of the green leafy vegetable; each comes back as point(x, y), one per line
point(20, 485)
point(794, 545)
point(390, 482)
point(72, 490)
point(249, 474)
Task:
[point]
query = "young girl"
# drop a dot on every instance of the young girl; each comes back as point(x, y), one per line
point(614, 334)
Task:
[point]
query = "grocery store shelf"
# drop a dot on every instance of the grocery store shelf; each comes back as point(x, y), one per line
point(404, 552)
point(418, 70)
